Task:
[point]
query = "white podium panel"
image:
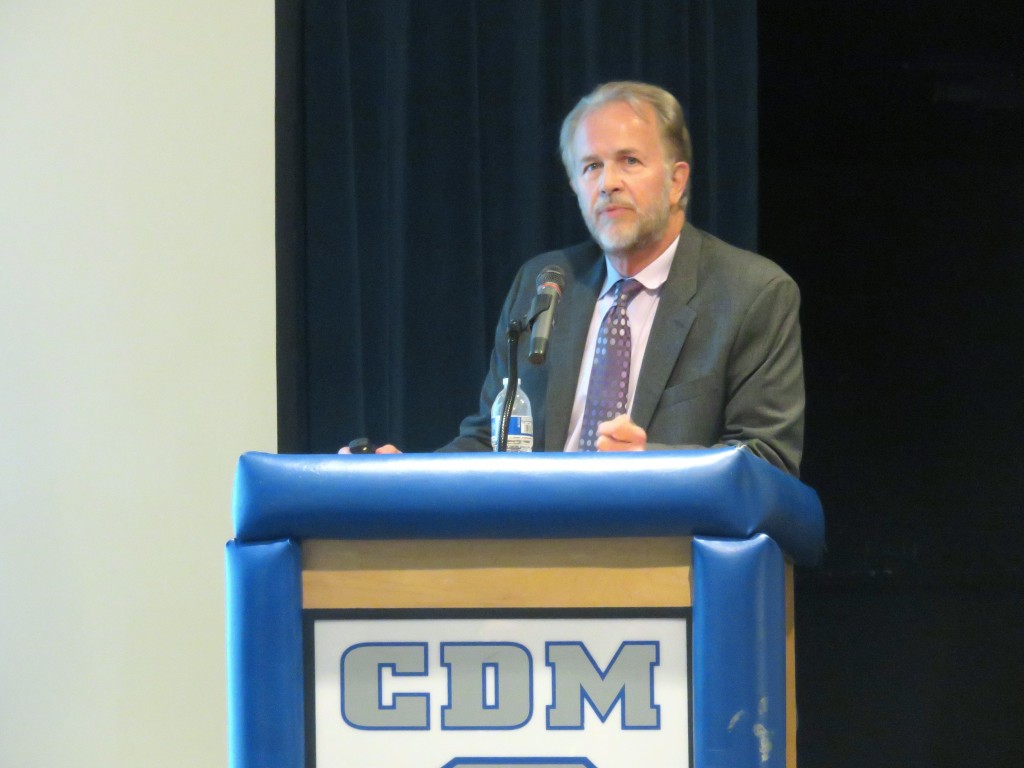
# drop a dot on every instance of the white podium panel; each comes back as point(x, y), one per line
point(601, 688)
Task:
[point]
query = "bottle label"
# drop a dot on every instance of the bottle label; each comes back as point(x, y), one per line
point(520, 434)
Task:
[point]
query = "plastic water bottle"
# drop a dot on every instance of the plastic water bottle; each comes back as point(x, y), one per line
point(520, 428)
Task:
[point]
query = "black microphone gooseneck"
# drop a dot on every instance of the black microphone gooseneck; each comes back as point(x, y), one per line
point(515, 327)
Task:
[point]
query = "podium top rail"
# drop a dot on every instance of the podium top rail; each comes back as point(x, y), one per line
point(721, 492)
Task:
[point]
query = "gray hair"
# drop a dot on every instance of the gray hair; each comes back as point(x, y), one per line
point(675, 137)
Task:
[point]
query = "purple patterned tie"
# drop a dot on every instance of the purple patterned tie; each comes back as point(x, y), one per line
point(608, 390)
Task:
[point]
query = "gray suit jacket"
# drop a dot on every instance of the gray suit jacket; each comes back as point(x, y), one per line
point(723, 364)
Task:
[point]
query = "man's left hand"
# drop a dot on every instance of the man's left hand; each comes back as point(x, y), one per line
point(620, 434)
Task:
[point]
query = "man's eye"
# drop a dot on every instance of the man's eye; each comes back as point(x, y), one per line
point(590, 167)
point(632, 161)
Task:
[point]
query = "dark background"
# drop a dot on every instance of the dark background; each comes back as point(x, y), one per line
point(873, 149)
point(892, 182)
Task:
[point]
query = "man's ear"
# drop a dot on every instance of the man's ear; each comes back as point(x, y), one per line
point(680, 178)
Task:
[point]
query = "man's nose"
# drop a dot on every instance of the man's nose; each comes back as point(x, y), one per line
point(610, 180)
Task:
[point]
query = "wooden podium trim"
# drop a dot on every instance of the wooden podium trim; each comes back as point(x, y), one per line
point(791, 721)
point(497, 573)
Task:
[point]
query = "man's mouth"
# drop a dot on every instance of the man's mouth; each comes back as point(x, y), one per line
point(614, 210)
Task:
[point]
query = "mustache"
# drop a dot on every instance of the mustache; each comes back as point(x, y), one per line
point(614, 202)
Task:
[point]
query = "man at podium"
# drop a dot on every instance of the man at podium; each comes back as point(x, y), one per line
point(664, 336)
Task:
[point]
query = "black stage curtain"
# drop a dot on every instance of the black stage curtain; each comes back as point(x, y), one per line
point(417, 168)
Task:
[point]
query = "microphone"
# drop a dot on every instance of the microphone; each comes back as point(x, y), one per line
point(550, 284)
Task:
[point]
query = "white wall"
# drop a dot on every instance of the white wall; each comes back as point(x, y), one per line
point(136, 363)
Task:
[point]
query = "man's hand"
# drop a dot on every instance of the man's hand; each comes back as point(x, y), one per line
point(620, 434)
point(389, 448)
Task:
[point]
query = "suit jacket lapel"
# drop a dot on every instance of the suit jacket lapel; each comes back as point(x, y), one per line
point(672, 323)
point(566, 348)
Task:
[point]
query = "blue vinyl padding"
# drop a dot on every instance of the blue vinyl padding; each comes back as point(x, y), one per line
point(264, 638)
point(739, 653)
point(727, 498)
point(726, 492)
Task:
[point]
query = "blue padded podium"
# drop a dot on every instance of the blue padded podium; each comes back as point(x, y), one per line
point(747, 521)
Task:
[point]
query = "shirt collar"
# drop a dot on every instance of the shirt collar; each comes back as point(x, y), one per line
point(651, 277)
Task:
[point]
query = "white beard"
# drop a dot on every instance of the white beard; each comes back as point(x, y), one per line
point(647, 226)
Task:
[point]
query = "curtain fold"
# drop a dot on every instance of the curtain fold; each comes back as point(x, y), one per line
point(418, 168)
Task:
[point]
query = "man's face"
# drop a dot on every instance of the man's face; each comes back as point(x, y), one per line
point(625, 191)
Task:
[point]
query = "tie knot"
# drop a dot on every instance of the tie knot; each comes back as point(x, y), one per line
point(626, 290)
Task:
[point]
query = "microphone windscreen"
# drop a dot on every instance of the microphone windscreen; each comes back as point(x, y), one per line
point(552, 276)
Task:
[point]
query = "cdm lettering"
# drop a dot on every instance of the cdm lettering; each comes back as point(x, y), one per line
point(491, 685)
